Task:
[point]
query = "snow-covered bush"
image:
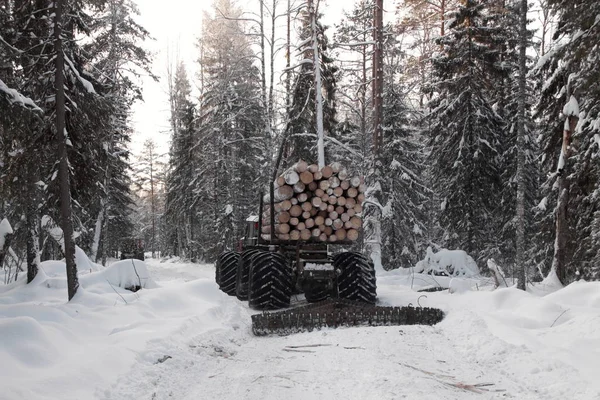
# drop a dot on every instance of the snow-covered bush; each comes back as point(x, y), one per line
point(129, 274)
point(58, 269)
point(5, 230)
point(448, 262)
point(84, 264)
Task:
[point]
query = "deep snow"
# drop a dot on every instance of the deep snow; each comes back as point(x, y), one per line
point(187, 340)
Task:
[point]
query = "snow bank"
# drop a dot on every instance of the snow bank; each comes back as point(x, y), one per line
point(51, 348)
point(54, 269)
point(128, 274)
point(448, 262)
point(493, 344)
point(125, 274)
point(578, 294)
point(461, 285)
point(25, 342)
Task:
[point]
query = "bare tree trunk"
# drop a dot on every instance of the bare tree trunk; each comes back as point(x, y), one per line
point(63, 168)
point(33, 250)
point(191, 246)
point(374, 221)
point(520, 234)
point(31, 222)
point(545, 22)
point(104, 240)
point(363, 97)
point(263, 68)
point(443, 18)
point(377, 76)
point(288, 74)
point(152, 208)
point(266, 98)
point(97, 233)
point(559, 262)
point(318, 90)
point(101, 229)
point(272, 59)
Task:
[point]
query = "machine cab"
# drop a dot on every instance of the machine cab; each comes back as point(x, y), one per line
point(251, 233)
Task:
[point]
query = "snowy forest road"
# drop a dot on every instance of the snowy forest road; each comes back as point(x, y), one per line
point(468, 355)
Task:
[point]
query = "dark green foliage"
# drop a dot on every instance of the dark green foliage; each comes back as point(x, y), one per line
point(99, 95)
point(180, 207)
point(229, 141)
point(466, 134)
point(504, 16)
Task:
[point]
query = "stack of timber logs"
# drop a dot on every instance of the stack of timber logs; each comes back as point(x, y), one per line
point(313, 204)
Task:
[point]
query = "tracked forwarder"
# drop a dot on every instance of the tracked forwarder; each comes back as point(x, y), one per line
point(286, 250)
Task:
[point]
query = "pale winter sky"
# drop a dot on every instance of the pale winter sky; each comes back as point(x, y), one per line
point(176, 26)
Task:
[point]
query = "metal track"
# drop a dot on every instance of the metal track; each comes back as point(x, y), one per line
point(340, 313)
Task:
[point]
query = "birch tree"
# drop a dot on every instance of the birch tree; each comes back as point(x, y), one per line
point(313, 109)
point(570, 145)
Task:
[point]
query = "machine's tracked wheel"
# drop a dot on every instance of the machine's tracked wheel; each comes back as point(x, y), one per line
point(270, 281)
point(356, 280)
point(241, 284)
point(226, 271)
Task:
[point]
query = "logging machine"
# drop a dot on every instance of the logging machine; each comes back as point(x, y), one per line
point(287, 250)
point(287, 247)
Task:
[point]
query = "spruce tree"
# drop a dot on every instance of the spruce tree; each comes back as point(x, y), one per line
point(231, 140)
point(181, 202)
point(115, 51)
point(403, 156)
point(466, 133)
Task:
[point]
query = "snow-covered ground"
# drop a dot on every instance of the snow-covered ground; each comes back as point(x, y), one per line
point(187, 340)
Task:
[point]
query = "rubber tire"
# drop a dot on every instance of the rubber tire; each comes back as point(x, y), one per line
point(226, 271)
point(356, 279)
point(243, 272)
point(270, 281)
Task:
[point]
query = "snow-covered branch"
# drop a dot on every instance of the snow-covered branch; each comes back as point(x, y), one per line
point(14, 97)
point(84, 82)
point(300, 63)
point(10, 47)
point(332, 140)
point(354, 44)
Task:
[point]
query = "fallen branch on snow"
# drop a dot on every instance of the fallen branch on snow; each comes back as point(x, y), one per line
point(307, 345)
